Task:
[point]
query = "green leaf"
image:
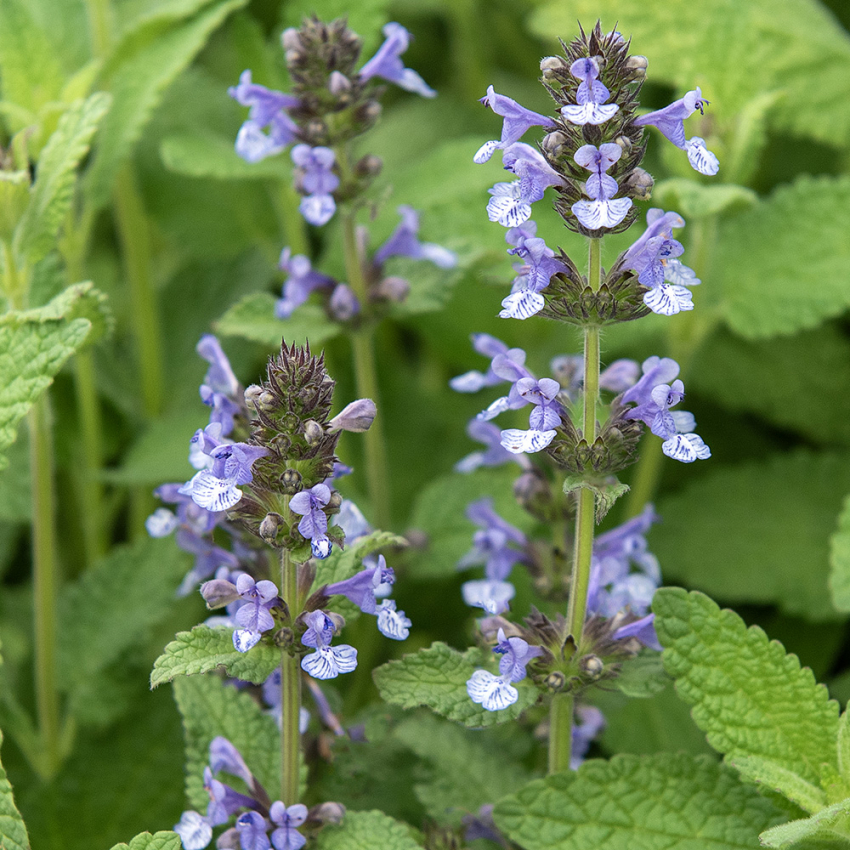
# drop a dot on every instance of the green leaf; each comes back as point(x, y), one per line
point(468, 770)
point(642, 677)
point(367, 831)
point(209, 155)
point(16, 483)
point(137, 86)
point(839, 562)
point(204, 649)
point(52, 193)
point(29, 69)
point(14, 197)
point(695, 200)
point(774, 548)
point(436, 677)
point(79, 301)
point(735, 51)
point(844, 747)
point(210, 708)
point(431, 287)
point(665, 801)
point(253, 318)
point(782, 264)
point(165, 840)
point(13, 832)
point(138, 14)
point(31, 353)
point(605, 492)
point(829, 824)
point(810, 798)
point(749, 697)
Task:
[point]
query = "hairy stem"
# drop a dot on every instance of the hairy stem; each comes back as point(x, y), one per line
point(45, 580)
point(366, 377)
point(560, 732)
point(290, 692)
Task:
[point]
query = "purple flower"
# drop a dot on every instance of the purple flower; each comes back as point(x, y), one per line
point(642, 629)
point(223, 408)
point(194, 830)
point(589, 723)
point(161, 523)
point(208, 558)
point(268, 109)
point(392, 623)
point(224, 801)
point(387, 64)
point(670, 122)
point(317, 181)
point(511, 202)
point(543, 395)
point(493, 595)
point(253, 831)
point(601, 211)
point(253, 618)
point(518, 120)
point(591, 95)
point(286, 836)
point(265, 103)
point(536, 271)
point(352, 522)
point(301, 281)
point(215, 489)
point(219, 377)
point(516, 653)
point(492, 693)
point(495, 453)
point(491, 347)
point(314, 524)
point(405, 243)
point(327, 662)
point(360, 588)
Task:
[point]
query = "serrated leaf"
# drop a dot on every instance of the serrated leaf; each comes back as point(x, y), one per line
point(782, 265)
point(844, 747)
point(205, 649)
point(735, 51)
point(137, 85)
point(436, 677)
point(765, 541)
point(13, 831)
point(810, 798)
point(642, 677)
point(829, 824)
point(78, 301)
point(695, 200)
point(138, 14)
point(52, 192)
point(839, 561)
point(367, 831)
point(165, 840)
point(31, 353)
point(253, 318)
point(467, 770)
point(605, 493)
point(665, 801)
point(209, 708)
point(749, 697)
point(209, 155)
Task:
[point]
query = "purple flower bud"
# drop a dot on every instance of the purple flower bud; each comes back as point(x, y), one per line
point(343, 304)
point(338, 84)
point(218, 593)
point(642, 629)
point(387, 64)
point(356, 417)
point(516, 653)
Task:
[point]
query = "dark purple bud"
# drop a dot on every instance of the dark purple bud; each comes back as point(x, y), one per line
point(369, 112)
point(356, 417)
point(393, 289)
point(219, 592)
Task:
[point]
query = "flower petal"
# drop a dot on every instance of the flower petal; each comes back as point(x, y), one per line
point(490, 691)
point(686, 448)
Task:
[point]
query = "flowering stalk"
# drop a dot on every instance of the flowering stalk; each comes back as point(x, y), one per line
point(290, 692)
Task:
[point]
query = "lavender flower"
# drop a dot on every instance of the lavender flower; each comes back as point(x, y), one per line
point(194, 830)
point(360, 588)
point(511, 202)
point(314, 525)
point(253, 831)
point(317, 181)
point(670, 122)
point(215, 489)
point(404, 242)
point(543, 395)
point(286, 836)
point(591, 95)
point(493, 348)
point(224, 801)
point(343, 304)
point(392, 623)
point(642, 629)
point(387, 64)
point(602, 210)
point(518, 120)
point(327, 662)
point(495, 453)
point(253, 618)
point(268, 109)
point(496, 692)
point(219, 377)
point(536, 271)
point(301, 281)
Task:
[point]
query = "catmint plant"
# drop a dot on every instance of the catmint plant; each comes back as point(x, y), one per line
point(584, 423)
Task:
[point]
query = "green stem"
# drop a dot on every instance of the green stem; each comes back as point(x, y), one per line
point(290, 686)
point(366, 378)
point(45, 580)
point(560, 732)
point(647, 473)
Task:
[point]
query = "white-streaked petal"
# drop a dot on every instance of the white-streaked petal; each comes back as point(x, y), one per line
point(345, 657)
point(686, 448)
point(490, 692)
point(500, 405)
point(320, 664)
point(589, 113)
point(485, 152)
point(700, 157)
point(491, 595)
point(517, 441)
point(391, 623)
point(320, 547)
point(677, 273)
point(469, 463)
point(161, 523)
point(667, 300)
point(509, 212)
point(214, 494)
point(194, 830)
point(522, 304)
point(597, 214)
point(245, 639)
point(317, 209)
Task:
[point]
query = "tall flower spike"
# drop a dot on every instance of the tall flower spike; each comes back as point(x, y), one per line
point(518, 120)
point(387, 64)
point(602, 210)
point(590, 96)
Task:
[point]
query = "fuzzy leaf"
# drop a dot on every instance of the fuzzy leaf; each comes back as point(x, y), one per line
point(13, 832)
point(605, 492)
point(839, 560)
point(209, 708)
point(51, 195)
point(782, 264)
point(749, 697)
point(253, 318)
point(208, 155)
point(165, 840)
point(79, 301)
point(660, 802)
point(204, 649)
point(137, 86)
point(735, 51)
point(774, 549)
point(367, 831)
point(810, 798)
point(829, 824)
point(642, 677)
point(436, 677)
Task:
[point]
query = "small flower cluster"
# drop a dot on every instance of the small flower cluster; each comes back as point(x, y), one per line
point(255, 814)
point(274, 487)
